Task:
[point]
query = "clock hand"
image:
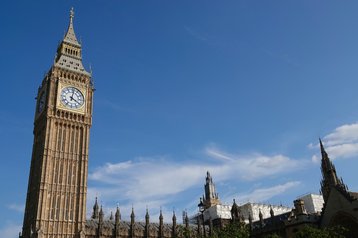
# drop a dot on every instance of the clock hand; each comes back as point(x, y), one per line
point(74, 100)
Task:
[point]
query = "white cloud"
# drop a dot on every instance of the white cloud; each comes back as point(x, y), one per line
point(10, 230)
point(16, 207)
point(264, 194)
point(342, 142)
point(155, 182)
point(345, 134)
point(194, 33)
point(253, 166)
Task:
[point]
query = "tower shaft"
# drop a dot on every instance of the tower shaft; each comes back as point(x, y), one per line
point(56, 196)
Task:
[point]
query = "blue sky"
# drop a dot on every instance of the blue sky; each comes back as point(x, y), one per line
point(241, 88)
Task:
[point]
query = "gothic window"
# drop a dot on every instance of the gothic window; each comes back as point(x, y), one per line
point(71, 208)
point(53, 207)
point(59, 138)
point(60, 174)
point(63, 140)
point(66, 206)
point(58, 207)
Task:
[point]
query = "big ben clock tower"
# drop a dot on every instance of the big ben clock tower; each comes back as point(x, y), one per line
point(56, 194)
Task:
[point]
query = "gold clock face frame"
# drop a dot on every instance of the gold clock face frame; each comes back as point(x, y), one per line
point(71, 98)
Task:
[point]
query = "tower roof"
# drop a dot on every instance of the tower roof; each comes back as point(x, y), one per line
point(69, 51)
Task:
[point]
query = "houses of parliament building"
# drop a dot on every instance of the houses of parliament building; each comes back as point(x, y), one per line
point(57, 186)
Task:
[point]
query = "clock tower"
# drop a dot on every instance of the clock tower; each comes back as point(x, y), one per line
point(56, 194)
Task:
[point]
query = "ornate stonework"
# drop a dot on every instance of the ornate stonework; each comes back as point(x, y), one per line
point(56, 197)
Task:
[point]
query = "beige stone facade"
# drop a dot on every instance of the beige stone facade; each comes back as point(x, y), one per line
point(56, 197)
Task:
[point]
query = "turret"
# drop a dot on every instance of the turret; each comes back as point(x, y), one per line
point(261, 219)
point(174, 227)
point(117, 219)
point(211, 198)
point(147, 223)
point(132, 223)
point(117, 216)
point(95, 213)
point(101, 215)
point(235, 212)
point(100, 222)
point(272, 212)
point(161, 224)
point(132, 217)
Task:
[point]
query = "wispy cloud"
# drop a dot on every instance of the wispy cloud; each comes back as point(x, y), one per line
point(252, 166)
point(158, 181)
point(196, 34)
point(115, 106)
point(342, 142)
point(281, 57)
point(264, 194)
point(16, 207)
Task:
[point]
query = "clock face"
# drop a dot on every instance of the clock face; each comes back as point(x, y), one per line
point(72, 97)
point(41, 103)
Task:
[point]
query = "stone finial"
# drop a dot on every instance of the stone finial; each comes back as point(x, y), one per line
point(132, 216)
point(272, 212)
point(101, 215)
point(117, 216)
point(147, 216)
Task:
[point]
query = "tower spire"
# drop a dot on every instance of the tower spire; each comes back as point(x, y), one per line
point(70, 36)
point(117, 215)
point(95, 213)
point(323, 151)
point(211, 198)
point(69, 51)
point(329, 174)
